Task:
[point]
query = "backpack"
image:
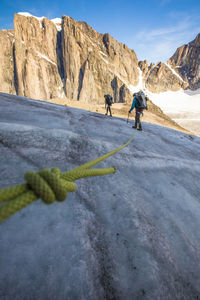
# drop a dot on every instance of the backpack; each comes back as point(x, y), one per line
point(108, 99)
point(141, 100)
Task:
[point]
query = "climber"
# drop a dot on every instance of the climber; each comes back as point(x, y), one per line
point(108, 103)
point(139, 103)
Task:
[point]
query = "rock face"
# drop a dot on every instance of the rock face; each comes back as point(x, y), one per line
point(145, 68)
point(36, 57)
point(95, 64)
point(7, 78)
point(186, 61)
point(162, 78)
point(74, 62)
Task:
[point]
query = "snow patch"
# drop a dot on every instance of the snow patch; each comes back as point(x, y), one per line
point(61, 95)
point(174, 72)
point(59, 27)
point(56, 21)
point(46, 58)
point(26, 14)
point(139, 86)
point(103, 54)
point(105, 60)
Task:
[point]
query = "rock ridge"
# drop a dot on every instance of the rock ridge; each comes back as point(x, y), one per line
point(186, 61)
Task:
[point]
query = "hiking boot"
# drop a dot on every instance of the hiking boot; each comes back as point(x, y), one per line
point(139, 129)
point(134, 126)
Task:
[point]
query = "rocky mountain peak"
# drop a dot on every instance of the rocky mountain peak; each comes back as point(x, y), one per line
point(145, 68)
point(64, 58)
point(162, 78)
point(196, 41)
point(186, 61)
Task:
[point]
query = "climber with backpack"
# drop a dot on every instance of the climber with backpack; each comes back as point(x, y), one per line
point(139, 103)
point(108, 103)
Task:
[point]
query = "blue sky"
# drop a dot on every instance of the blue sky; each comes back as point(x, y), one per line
point(154, 29)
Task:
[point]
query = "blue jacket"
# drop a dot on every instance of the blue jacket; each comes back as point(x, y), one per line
point(134, 104)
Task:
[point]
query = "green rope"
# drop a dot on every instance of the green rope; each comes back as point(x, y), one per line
point(49, 185)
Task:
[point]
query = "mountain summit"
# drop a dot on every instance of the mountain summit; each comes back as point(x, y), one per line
point(186, 60)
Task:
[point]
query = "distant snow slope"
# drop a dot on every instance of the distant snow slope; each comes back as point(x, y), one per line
point(130, 235)
point(182, 106)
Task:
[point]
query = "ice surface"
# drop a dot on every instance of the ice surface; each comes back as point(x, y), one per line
point(129, 235)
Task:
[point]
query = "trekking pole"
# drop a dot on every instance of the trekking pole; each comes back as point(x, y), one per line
point(128, 117)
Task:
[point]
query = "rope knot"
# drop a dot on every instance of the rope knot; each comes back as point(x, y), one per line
point(47, 185)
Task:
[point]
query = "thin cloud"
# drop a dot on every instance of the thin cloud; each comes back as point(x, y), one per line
point(168, 30)
point(159, 51)
point(176, 15)
point(156, 33)
point(162, 48)
point(161, 43)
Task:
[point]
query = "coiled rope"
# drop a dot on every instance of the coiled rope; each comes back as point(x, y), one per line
point(49, 185)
